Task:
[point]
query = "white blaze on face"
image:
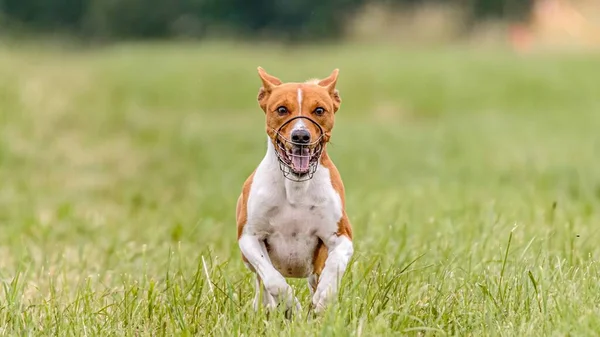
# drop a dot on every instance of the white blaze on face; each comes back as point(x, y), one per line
point(300, 156)
point(299, 123)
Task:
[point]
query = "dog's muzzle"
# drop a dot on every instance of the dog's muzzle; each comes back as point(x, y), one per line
point(298, 160)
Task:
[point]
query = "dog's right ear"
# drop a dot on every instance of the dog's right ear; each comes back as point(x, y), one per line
point(330, 83)
point(268, 83)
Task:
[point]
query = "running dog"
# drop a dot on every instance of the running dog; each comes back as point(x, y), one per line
point(291, 218)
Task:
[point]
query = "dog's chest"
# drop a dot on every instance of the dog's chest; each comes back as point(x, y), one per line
point(292, 238)
point(293, 219)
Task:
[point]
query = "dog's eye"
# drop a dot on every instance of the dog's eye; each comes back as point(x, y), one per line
point(319, 111)
point(282, 110)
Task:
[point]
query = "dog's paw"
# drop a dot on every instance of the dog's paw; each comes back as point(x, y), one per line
point(319, 302)
point(277, 286)
point(292, 306)
point(293, 309)
point(268, 303)
point(322, 297)
point(281, 292)
point(318, 307)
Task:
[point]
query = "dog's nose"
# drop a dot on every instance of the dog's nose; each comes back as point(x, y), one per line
point(301, 136)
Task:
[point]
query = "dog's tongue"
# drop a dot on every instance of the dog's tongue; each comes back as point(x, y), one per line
point(300, 159)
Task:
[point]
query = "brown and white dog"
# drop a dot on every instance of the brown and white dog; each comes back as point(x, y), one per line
point(291, 218)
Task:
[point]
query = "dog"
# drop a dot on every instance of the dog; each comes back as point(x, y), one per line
point(291, 218)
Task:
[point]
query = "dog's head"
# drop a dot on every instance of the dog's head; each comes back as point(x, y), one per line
point(299, 120)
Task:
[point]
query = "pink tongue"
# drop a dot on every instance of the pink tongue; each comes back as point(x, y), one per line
point(300, 159)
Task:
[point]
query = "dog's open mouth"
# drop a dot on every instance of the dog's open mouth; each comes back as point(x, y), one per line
point(299, 158)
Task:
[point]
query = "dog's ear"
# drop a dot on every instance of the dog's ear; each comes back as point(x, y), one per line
point(330, 83)
point(331, 80)
point(268, 83)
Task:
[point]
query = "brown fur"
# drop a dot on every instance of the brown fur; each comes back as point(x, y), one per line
point(274, 94)
point(241, 209)
point(319, 261)
point(344, 226)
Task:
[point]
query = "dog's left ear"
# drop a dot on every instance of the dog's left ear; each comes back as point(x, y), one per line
point(268, 83)
point(330, 83)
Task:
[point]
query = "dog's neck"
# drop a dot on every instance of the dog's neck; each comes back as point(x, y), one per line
point(294, 190)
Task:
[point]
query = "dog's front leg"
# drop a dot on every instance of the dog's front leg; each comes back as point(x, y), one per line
point(340, 251)
point(274, 283)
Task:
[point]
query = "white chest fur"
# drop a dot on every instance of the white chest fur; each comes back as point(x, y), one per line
point(291, 217)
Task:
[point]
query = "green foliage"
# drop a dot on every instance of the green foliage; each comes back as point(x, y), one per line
point(279, 19)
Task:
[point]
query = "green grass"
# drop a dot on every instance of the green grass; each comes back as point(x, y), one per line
point(472, 182)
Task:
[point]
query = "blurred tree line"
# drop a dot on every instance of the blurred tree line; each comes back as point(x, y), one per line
point(284, 19)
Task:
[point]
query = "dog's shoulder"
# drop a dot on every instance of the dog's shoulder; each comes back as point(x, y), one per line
point(242, 204)
point(334, 176)
point(344, 225)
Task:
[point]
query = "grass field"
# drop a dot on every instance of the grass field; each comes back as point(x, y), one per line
point(472, 181)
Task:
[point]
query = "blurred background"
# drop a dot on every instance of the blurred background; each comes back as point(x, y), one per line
point(518, 22)
point(127, 128)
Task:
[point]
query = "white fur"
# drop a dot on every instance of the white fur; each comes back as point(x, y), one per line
point(299, 123)
point(340, 252)
point(291, 217)
point(300, 101)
